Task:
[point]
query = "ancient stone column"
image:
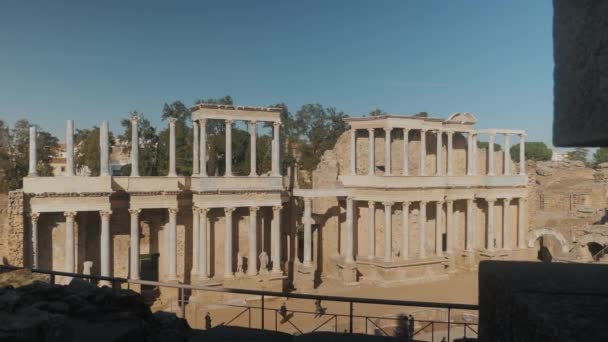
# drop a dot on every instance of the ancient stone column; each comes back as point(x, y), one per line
point(490, 234)
point(350, 230)
point(172, 250)
point(450, 135)
point(521, 226)
point(276, 150)
point(470, 225)
point(276, 240)
point(388, 231)
point(228, 271)
point(422, 219)
point(196, 231)
point(438, 152)
point(202, 245)
point(406, 152)
point(307, 232)
point(172, 172)
point(371, 152)
point(69, 147)
point(104, 245)
point(371, 230)
point(353, 151)
point(196, 163)
point(405, 240)
point(69, 241)
point(506, 154)
point(252, 268)
point(522, 154)
point(253, 154)
point(104, 149)
point(449, 213)
point(33, 160)
point(228, 172)
point(134, 242)
point(34, 222)
point(438, 227)
point(387, 151)
point(470, 163)
point(423, 152)
point(491, 155)
point(506, 215)
point(134, 147)
point(203, 148)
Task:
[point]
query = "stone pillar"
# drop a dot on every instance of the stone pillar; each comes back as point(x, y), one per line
point(134, 147)
point(450, 152)
point(350, 230)
point(438, 227)
point(196, 231)
point(522, 154)
point(521, 226)
point(406, 153)
point(474, 155)
point(388, 231)
point(405, 241)
point(307, 232)
point(422, 219)
point(276, 240)
point(228, 270)
point(449, 213)
point(276, 172)
point(134, 242)
point(506, 215)
point(69, 147)
point(507, 155)
point(353, 151)
point(69, 241)
point(438, 152)
point(196, 163)
point(371, 230)
point(202, 245)
point(490, 234)
point(33, 160)
point(104, 244)
point(203, 148)
point(423, 152)
point(470, 164)
point(34, 262)
point(172, 172)
point(172, 250)
point(252, 268)
point(104, 149)
point(491, 155)
point(253, 171)
point(371, 149)
point(470, 225)
point(228, 172)
point(387, 151)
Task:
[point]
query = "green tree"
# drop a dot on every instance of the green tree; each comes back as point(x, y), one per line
point(376, 112)
point(148, 145)
point(580, 154)
point(87, 149)
point(533, 150)
point(600, 156)
point(183, 139)
point(485, 144)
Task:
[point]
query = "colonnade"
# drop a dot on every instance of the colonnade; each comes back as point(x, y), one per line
point(439, 133)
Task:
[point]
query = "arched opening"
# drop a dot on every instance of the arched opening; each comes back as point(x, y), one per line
point(543, 252)
point(597, 251)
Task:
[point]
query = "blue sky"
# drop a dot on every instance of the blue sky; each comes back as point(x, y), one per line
point(90, 61)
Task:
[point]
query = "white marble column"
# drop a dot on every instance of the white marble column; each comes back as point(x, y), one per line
point(203, 273)
point(228, 270)
point(104, 149)
point(196, 231)
point(490, 234)
point(252, 268)
point(253, 172)
point(422, 223)
point(276, 154)
point(203, 148)
point(491, 155)
point(228, 172)
point(34, 230)
point(439, 227)
point(423, 152)
point(69, 241)
point(196, 163)
point(451, 236)
point(134, 243)
point(388, 231)
point(387, 151)
point(371, 230)
point(276, 240)
point(33, 160)
point(406, 151)
point(69, 148)
point(506, 215)
point(172, 250)
point(521, 226)
point(507, 155)
point(405, 239)
point(353, 151)
point(371, 149)
point(104, 245)
point(172, 172)
point(474, 154)
point(350, 230)
point(134, 147)
point(522, 154)
point(470, 225)
point(307, 232)
point(450, 137)
point(470, 165)
point(438, 153)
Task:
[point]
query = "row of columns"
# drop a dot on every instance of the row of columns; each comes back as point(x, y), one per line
point(135, 147)
point(471, 154)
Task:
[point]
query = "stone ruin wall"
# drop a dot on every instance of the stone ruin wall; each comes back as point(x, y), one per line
point(12, 233)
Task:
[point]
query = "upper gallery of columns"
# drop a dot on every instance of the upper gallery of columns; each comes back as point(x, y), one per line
point(229, 112)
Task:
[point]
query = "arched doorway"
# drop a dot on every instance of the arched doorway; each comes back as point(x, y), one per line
point(548, 243)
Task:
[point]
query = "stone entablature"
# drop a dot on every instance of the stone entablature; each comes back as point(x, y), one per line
point(399, 182)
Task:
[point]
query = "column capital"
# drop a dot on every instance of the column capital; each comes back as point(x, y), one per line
point(449, 201)
point(228, 122)
point(371, 203)
point(387, 129)
point(423, 130)
point(228, 211)
point(406, 129)
point(202, 122)
point(276, 124)
point(371, 130)
point(172, 121)
point(387, 204)
point(507, 199)
point(350, 198)
point(353, 131)
point(134, 211)
point(34, 216)
point(307, 200)
point(253, 210)
point(522, 135)
point(134, 119)
point(490, 199)
point(422, 202)
point(69, 214)
point(173, 211)
point(252, 123)
point(105, 213)
point(276, 208)
point(406, 204)
point(203, 211)
point(522, 199)
point(491, 135)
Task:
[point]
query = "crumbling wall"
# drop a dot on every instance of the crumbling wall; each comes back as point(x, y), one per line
point(12, 233)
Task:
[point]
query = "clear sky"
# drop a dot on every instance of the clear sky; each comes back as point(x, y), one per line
point(90, 61)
